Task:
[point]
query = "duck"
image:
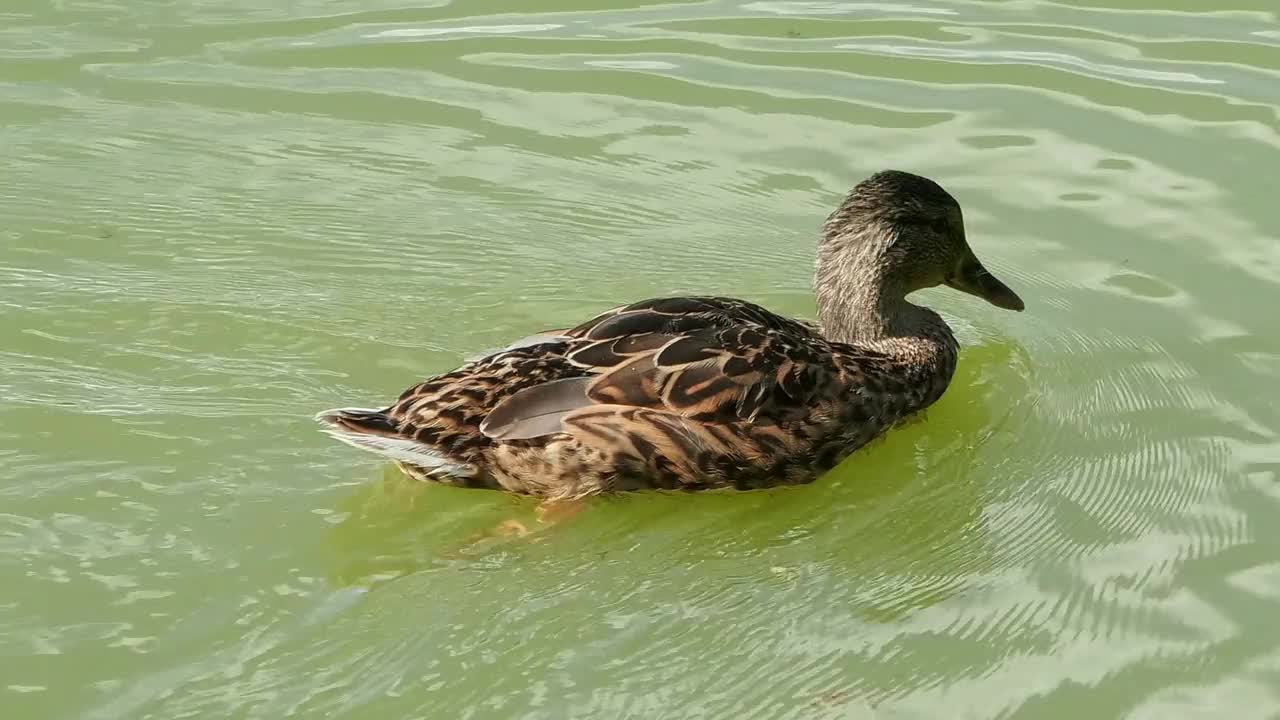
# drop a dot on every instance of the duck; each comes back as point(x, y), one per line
point(705, 392)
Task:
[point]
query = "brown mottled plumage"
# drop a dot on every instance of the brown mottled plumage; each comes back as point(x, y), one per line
point(705, 392)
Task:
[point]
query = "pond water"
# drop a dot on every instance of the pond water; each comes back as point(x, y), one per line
point(218, 218)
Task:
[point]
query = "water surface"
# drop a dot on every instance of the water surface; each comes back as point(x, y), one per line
point(217, 218)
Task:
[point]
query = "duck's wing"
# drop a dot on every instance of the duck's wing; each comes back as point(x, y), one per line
point(713, 360)
point(712, 374)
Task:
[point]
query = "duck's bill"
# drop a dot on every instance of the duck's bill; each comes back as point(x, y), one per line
point(974, 279)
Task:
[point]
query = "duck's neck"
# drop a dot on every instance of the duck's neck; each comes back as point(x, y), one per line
point(860, 303)
point(859, 308)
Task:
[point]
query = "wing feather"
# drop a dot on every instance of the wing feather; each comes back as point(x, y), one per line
point(537, 410)
point(702, 358)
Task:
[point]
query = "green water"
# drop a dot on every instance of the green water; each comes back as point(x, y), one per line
point(220, 217)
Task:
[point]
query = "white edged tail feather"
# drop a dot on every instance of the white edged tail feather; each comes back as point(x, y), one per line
point(402, 449)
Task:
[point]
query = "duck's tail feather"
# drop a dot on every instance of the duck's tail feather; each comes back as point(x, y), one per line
point(360, 420)
point(377, 432)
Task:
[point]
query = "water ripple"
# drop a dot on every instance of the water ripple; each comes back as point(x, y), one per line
point(220, 217)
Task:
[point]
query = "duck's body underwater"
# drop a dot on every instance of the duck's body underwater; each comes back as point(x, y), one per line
point(705, 392)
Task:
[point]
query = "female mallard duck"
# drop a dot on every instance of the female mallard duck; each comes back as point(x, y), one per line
point(705, 392)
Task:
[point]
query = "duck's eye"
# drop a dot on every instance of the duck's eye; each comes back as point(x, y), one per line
point(940, 225)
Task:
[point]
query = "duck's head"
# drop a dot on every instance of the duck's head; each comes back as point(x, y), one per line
point(902, 233)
